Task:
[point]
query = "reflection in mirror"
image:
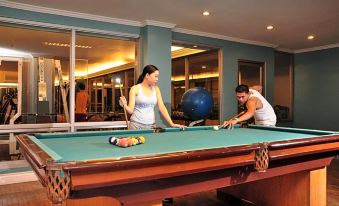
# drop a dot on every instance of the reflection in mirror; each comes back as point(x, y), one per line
point(8, 90)
point(194, 66)
point(99, 61)
point(36, 54)
point(283, 87)
point(251, 73)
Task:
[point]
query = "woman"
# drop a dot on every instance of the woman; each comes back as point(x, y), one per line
point(142, 98)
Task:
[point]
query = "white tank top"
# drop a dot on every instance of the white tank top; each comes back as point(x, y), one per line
point(264, 115)
point(144, 107)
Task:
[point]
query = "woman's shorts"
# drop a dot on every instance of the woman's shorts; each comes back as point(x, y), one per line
point(137, 125)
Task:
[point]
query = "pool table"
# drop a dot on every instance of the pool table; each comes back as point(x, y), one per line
point(256, 162)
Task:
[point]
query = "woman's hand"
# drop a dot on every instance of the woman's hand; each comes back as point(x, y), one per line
point(178, 126)
point(123, 101)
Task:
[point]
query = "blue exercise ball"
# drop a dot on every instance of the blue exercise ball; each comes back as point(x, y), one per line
point(197, 103)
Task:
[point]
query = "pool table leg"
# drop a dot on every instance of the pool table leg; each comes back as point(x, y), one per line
point(318, 187)
point(306, 188)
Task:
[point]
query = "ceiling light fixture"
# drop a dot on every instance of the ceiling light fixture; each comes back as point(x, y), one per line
point(7, 84)
point(206, 13)
point(66, 45)
point(175, 48)
point(269, 27)
point(310, 37)
point(14, 53)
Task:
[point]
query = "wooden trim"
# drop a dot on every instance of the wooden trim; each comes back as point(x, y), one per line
point(117, 176)
point(130, 194)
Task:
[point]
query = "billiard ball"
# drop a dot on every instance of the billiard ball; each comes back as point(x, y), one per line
point(130, 142)
point(142, 138)
point(123, 142)
point(135, 141)
point(113, 140)
point(215, 128)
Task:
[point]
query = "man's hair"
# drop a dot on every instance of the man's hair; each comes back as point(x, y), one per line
point(242, 88)
point(81, 85)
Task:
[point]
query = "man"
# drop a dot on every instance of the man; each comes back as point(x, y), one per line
point(82, 102)
point(257, 107)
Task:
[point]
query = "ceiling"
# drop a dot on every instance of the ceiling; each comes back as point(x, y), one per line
point(244, 20)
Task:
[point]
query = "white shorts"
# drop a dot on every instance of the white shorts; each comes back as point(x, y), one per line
point(137, 125)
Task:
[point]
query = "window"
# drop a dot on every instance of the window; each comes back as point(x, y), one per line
point(35, 82)
point(35, 72)
point(99, 62)
point(195, 67)
point(30, 63)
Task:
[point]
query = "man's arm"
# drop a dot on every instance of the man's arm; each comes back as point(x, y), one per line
point(251, 107)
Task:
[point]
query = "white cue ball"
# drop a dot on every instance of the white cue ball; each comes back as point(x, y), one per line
point(215, 128)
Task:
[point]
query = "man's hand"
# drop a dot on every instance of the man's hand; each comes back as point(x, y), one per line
point(230, 123)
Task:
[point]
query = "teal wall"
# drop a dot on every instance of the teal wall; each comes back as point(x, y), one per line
point(316, 90)
point(155, 45)
point(67, 21)
point(156, 49)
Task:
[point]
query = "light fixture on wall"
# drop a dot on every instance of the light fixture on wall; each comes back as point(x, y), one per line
point(206, 13)
point(14, 53)
point(310, 37)
point(269, 27)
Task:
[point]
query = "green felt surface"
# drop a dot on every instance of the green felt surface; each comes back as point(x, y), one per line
point(83, 146)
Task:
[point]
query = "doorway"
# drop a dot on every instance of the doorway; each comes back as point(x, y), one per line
point(252, 73)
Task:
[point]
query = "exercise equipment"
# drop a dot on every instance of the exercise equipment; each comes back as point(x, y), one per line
point(197, 103)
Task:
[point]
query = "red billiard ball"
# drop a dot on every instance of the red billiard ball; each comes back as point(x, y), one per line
point(123, 142)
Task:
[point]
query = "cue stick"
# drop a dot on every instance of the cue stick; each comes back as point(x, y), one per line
point(121, 94)
point(236, 116)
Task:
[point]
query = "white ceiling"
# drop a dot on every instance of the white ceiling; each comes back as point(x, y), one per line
point(293, 20)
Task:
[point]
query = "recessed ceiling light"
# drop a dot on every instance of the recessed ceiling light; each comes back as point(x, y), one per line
point(206, 13)
point(269, 27)
point(195, 46)
point(203, 67)
point(310, 37)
